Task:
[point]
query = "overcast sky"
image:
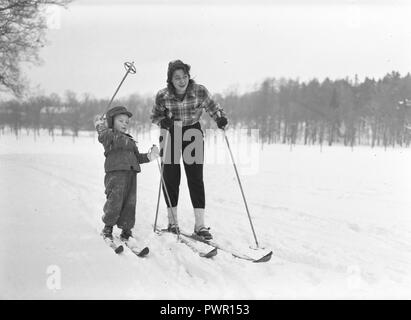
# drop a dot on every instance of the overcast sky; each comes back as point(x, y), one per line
point(229, 44)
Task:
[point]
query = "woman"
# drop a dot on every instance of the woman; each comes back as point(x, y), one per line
point(178, 109)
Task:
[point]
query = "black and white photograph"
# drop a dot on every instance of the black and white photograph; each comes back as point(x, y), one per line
point(185, 150)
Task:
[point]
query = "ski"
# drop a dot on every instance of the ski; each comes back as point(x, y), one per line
point(118, 248)
point(266, 257)
point(133, 248)
point(201, 253)
point(188, 242)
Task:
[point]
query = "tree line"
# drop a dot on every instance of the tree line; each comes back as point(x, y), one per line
point(68, 114)
point(350, 112)
point(344, 111)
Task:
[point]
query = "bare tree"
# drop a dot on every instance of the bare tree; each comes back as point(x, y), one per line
point(23, 27)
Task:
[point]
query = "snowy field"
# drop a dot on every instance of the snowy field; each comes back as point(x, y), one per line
point(337, 219)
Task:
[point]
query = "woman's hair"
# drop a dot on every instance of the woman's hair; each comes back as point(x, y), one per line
point(177, 65)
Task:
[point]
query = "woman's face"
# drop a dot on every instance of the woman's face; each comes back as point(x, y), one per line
point(180, 81)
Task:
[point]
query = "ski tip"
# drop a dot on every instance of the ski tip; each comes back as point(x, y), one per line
point(144, 252)
point(265, 258)
point(209, 254)
point(119, 249)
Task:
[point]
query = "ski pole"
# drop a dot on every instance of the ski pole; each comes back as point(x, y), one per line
point(130, 69)
point(162, 182)
point(158, 202)
point(241, 188)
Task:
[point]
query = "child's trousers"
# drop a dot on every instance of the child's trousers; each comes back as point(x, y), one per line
point(120, 207)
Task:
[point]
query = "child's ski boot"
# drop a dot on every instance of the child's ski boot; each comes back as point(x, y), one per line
point(125, 234)
point(107, 232)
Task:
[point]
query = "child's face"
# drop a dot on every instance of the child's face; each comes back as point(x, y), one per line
point(121, 122)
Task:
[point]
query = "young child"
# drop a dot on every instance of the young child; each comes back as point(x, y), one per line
point(121, 166)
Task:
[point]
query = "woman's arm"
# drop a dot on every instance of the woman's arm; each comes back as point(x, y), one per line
point(159, 111)
point(213, 108)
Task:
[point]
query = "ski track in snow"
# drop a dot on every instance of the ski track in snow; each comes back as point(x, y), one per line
point(53, 195)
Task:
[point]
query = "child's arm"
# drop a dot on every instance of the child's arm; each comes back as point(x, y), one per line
point(141, 157)
point(152, 154)
point(105, 135)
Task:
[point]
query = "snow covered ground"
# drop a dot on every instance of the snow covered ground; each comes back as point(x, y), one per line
point(337, 219)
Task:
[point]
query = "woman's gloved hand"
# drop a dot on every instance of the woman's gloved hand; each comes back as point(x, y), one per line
point(221, 122)
point(166, 123)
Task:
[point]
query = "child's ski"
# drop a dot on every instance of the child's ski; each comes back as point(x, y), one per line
point(131, 244)
point(189, 243)
point(118, 248)
point(139, 253)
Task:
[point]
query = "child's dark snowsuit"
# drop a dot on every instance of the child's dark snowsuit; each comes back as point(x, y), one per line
point(121, 166)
